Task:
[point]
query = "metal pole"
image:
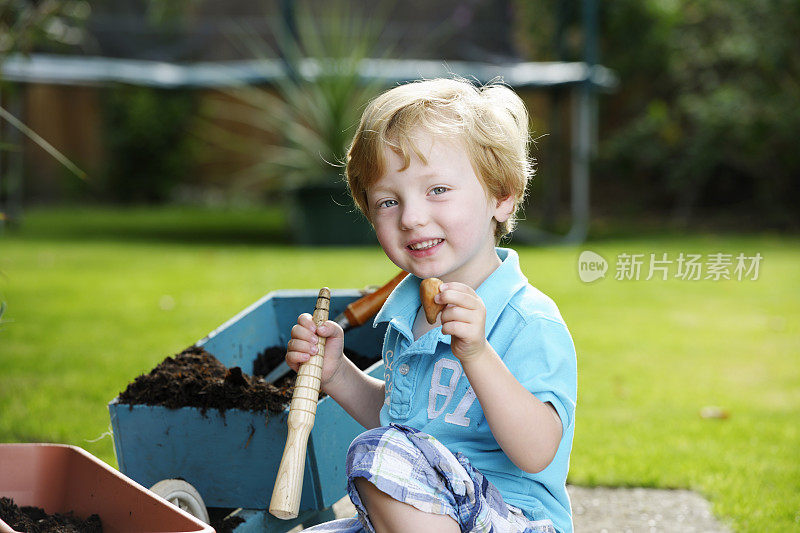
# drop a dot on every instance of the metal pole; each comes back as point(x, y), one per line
point(582, 128)
point(581, 141)
point(289, 20)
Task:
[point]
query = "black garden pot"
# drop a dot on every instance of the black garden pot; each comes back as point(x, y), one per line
point(324, 215)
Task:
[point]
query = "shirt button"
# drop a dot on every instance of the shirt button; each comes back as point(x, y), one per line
point(403, 369)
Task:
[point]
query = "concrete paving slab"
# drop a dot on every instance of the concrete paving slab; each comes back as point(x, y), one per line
point(627, 510)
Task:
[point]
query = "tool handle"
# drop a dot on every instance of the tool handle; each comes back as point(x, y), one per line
point(285, 502)
point(365, 307)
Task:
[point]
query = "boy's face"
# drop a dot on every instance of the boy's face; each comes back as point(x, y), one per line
point(436, 220)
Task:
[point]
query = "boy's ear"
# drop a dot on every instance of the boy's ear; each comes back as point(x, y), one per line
point(504, 208)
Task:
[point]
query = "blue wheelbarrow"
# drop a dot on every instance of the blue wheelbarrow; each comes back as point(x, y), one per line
point(226, 462)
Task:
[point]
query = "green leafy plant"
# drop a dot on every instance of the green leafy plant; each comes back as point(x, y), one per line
point(715, 126)
point(299, 129)
point(48, 25)
point(706, 119)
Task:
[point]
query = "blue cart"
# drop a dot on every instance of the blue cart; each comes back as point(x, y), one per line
point(229, 460)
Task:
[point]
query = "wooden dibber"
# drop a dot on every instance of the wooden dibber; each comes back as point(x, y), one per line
point(285, 502)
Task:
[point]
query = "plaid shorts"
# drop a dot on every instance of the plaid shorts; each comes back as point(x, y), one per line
point(415, 468)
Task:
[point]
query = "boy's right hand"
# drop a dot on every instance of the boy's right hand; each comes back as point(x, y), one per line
point(303, 344)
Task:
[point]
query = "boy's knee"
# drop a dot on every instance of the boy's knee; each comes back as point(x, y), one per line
point(371, 436)
point(379, 432)
point(384, 441)
point(376, 438)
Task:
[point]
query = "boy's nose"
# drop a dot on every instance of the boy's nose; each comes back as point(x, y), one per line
point(413, 215)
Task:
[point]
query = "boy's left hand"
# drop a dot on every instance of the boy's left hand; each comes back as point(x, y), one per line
point(464, 319)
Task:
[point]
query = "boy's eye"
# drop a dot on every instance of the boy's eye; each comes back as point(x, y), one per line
point(439, 190)
point(387, 203)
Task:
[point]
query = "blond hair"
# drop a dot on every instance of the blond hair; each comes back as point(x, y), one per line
point(491, 121)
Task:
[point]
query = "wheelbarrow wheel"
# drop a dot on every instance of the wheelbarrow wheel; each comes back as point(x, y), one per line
point(183, 496)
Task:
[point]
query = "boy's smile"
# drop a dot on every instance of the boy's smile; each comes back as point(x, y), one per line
point(436, 219)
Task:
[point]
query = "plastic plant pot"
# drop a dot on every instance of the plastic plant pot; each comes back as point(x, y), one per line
point(61, 478)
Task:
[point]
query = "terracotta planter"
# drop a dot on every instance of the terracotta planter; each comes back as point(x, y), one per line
point(61, 478)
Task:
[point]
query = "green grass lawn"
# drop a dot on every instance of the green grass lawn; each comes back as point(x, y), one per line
point(96, 297)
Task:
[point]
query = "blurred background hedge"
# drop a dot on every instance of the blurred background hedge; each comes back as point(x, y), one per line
point(704, 127)
point(706, 122)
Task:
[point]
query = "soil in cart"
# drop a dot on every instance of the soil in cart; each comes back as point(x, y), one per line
point(36, 520)
point(272, 357)
point(195, 378)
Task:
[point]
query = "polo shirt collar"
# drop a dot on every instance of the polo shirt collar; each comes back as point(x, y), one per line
point(495, 291)
point(498, 289)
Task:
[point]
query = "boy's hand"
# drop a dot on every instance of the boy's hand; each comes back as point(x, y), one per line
point(303, 344)
point(464, 319)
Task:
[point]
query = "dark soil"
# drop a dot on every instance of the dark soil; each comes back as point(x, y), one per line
point(35, 520)
point(267, 360)
point(272, 357)
point(195, 378)
point(221, 521)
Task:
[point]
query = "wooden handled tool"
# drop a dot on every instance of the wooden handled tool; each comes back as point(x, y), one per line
point(285, 502)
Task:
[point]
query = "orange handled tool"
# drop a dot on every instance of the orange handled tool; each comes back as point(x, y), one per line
point(365, 307)
point(356, 314)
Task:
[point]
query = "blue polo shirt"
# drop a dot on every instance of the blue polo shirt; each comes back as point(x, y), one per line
point(427, 389)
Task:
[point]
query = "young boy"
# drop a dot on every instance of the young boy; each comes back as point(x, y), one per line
point(472, 427)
